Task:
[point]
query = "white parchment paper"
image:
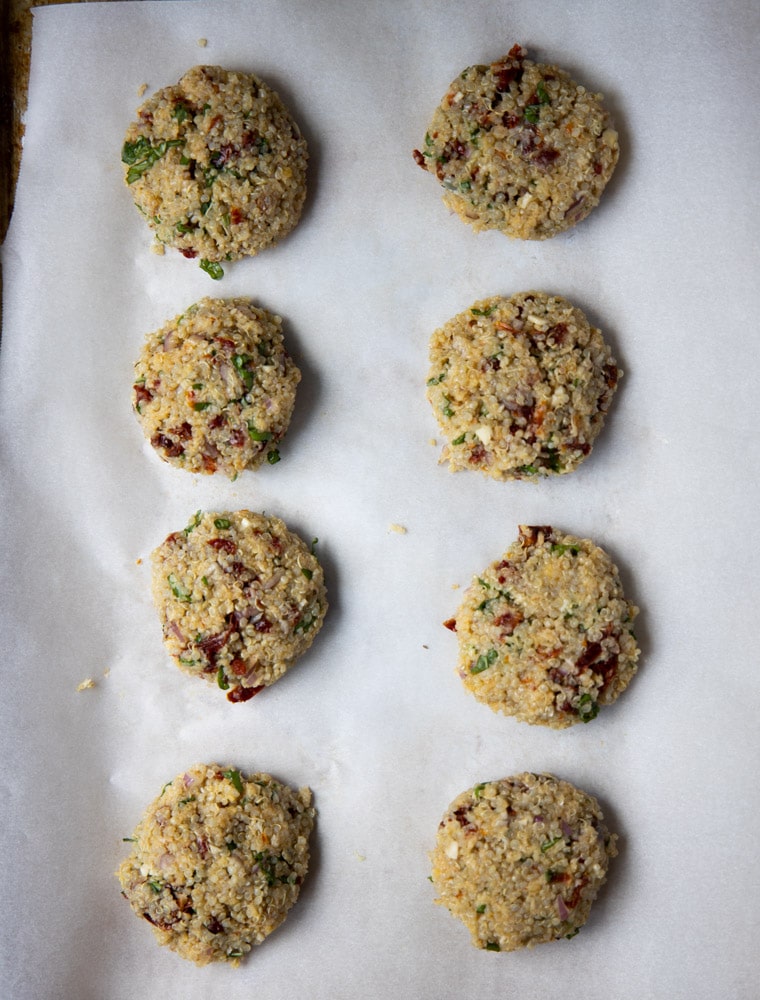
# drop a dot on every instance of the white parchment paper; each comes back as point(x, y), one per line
point(374, 718)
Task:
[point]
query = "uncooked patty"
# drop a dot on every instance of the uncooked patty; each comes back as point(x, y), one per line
point(215, 387)
point(218, 860)
point(520, 861)
point(240, 598)
point(520, 147)
point(520, 386)
point(216, 165)
point(545, 633)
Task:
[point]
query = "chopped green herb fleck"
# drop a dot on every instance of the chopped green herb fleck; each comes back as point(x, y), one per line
point(231, 846)
point(459, 440)
point(560, 550)
point(221, 679)
point(465, 185)
point(241, 362)
point(306, 620)
point(481, 908)
point(273, 457)
point(234, 777)
point(179, 591)
point(307, 573)
point(493, 946)
point(543, 97)
point(531, 113)
point(446, 408)
point(548, 844)
point(483, 312)
point(205, 206)
point(235, 953)
point(129, 840)
point(193, 524)
point(529, 470)
point(587, 708)
point(484, 662)
point(572, 933)
point(257, 435)
point(222, 523)
point(212, 269)
point(155, 886)
point(183, 802)
point(181, 113)
point(478, 790)
point(141, 155)
point(201, 406)
point(437, 379)
point(313, 547)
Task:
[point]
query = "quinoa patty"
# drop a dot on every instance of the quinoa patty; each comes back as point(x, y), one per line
point(218, 860)
point(520, 861)
point(520, 386)
point(215, 387)
point(520, 147)
point(216, 165)
point(240, 598)
point(545, 633)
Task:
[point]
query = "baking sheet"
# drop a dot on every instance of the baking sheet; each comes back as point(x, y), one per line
point(374, 718)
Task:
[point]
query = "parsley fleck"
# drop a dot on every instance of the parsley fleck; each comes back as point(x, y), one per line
point(587, 708)
point(222, 523)
point(484, 662)
point(234, 777)
point(493, 946)
point(212, 269)
point(179, 591)
point(459, 440)
point(548, 844)
point(483, 312)
point(140, 155)
point(221, 679)
point(257, 435)
point(273, 457)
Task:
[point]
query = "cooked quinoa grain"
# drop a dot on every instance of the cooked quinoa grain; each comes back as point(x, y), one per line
point(520, 386)
point(520, 147)
point(545, 633)
point(240, 598)
point(217, 166)
point(520, 861)
point(218, 860)
point(215, 387)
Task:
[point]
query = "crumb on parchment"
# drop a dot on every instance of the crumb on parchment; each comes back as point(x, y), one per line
point(398, 528)
point(86, 684)
point(203, 42)
point(141, 89)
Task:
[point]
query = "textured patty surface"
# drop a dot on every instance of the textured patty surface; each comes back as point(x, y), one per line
point(520, 386)
point(215, 387)
point(520, 147)
point(240, 598)
point(545, 633)
point(216, 165)
point(520, 860)
point(218, 860)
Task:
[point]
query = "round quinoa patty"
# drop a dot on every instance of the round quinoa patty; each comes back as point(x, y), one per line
point(216, 165)
point(520, 386)
point(240, 598)
point(520, 147)
point(545, 633)
point(520, 861)
point(218, 860)
point(214, 387)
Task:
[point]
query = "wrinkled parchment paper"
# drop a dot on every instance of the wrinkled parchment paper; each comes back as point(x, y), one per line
point(374, 718)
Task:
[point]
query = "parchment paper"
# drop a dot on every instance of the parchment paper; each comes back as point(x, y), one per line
point(374, 718)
